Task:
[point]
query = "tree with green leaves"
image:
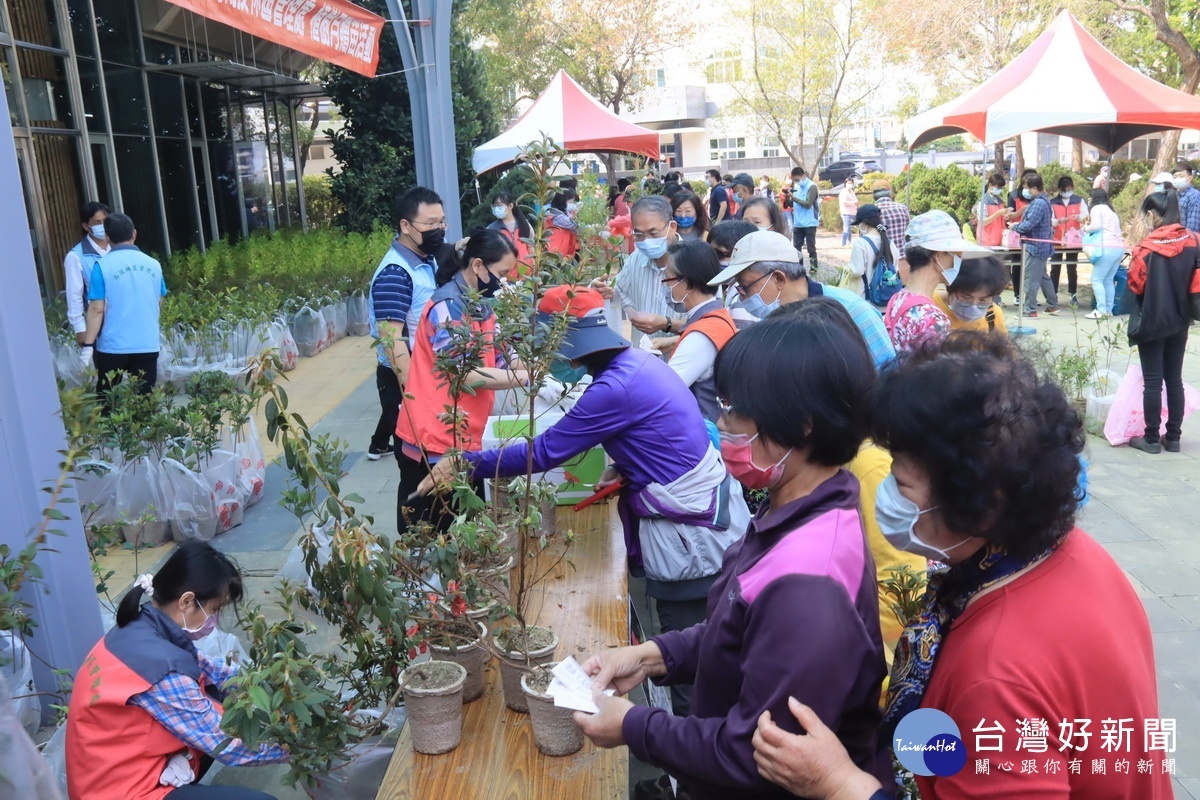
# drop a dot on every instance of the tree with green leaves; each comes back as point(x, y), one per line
point(374, 147)
point(799, 83)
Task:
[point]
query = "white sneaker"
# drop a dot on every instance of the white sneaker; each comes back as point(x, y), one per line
point(1096, 314)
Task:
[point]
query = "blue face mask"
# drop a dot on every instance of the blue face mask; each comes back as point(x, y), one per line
point(1025, 193)
point(98, 232)
point(685, 222)
point(564, 372)
point(653, 248)
point(499, 212)
point(952, 273)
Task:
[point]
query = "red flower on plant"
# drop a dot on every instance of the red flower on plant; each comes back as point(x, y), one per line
point(452, 587)
point(458, 606)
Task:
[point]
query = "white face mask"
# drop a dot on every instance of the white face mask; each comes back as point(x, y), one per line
point(499, 212)
point(1182, 183)
point(1067, 193)
point(897, 518)
point(952, 273)
point(98, 232)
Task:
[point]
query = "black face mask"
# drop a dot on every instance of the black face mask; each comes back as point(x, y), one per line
point(431, 240)
point(489, 287)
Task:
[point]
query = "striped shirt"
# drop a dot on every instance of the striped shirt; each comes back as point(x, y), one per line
point(639, 287)
point(179, 704)
point(392, 291)
point(866, 317)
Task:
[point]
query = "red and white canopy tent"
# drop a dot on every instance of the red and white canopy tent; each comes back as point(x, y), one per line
point(573, 119)
point(1106, 103)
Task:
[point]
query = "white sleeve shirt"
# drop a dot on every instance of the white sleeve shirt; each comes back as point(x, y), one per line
point(77, 286)
point(693, 358)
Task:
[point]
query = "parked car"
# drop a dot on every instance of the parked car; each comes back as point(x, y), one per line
point(837, 172)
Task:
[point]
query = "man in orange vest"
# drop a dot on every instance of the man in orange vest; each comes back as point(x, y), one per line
point(1070, 212)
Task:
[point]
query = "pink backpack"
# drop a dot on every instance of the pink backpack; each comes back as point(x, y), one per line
point(896, 310)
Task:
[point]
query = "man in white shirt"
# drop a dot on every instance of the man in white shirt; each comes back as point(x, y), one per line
point(77, 266)
point(638, 286)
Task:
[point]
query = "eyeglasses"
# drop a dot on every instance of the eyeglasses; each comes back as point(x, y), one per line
point(427, 226)
point(672, 280)
point(745, 290)
point(641, 236)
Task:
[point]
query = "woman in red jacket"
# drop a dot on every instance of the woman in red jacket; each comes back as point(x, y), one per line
point(1030, 639)
point(143, 722)
point(1165, 269)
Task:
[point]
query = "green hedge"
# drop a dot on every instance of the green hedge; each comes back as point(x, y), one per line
point(950, 189)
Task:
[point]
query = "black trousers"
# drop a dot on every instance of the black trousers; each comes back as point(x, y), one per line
point(1071, 259)
point(806, 238)
point(390, 396)
point(1162, 360)
point(429, 508)
point(141, 367)
point(197, 792)
point(678, 615)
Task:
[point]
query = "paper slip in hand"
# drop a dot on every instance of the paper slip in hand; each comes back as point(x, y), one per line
point(572, 688)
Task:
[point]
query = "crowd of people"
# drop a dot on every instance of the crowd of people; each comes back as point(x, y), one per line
point(789, 670)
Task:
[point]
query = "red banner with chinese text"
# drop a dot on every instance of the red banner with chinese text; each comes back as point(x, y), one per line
point(336, 31)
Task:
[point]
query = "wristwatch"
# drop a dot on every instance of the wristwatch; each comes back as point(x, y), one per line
point(667, 327)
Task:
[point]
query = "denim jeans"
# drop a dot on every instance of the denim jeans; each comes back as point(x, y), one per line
point(847, 223)
point(1104, 273)
point(1162, 360)
point(1035, 277)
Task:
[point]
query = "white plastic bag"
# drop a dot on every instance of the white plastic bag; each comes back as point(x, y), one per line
point(221, 473)
point(310, 331)
point(193, 512)
point(23, 773)
point(223, 647)
point(22, 698)
point(95, 492)
point(252, 467)
point(340, 322)
point(358, 319)
point(142, 491)
point(360, 777)
point(68, 364)
point(294, 568)
point(55, 753)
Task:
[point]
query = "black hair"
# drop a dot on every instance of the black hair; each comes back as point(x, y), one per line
point(995, 179)
point(524, 229)
point(409, 202)
point(1065, 182)
point(1100, 198)
point(1034, 181)
point(623, 183)
point(716, 173)
point(803, 381)
point(119, 228)
point(1164, 204)
point(90, 209)
point(486, 244)
point(673, 177)
point(999, 443)
point(696, 263)
point(1028, 171)
point(875, 220)
point(569, 183)
point(987, 274)
point(1184, 166)
point(827, 310)
point(778, 224)
point(727, 177)
point(562, 198)
point(918, 257)
point(195, 567)
point(685, 196)
point(727, 233)
point(799, 172)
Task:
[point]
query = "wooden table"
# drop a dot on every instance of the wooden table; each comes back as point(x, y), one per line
point(588, 607)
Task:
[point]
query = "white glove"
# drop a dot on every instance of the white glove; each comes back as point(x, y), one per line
point(178, 772)
point(85, 355)
point(552, 391)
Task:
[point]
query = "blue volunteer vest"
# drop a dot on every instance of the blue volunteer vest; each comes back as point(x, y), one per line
point(88, 256)
point(424, 284)
point(804, 217)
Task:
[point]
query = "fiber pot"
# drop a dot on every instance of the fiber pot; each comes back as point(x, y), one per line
point(554, 728)
point(513, 664)
point(472, 656)
point(433, 693)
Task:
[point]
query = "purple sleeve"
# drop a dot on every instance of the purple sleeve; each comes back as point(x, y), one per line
point(602, 410)
point(681, 652)
point(803, 638)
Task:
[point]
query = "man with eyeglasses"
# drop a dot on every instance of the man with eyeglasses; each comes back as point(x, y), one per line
point(638, 286)
point(402, 284)
point(766, 272)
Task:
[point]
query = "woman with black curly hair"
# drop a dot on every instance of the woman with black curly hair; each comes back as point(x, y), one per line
point(1032, 629)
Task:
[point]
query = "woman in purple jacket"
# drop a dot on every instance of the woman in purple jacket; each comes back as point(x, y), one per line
point(795, 609)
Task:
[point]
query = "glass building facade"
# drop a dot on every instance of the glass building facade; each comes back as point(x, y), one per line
point(184, 124)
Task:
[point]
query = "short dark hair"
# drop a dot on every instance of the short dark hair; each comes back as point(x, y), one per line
point(696, 263)
point(778, 224)
point(119, 228)
point(995, 179)
point(623, 183)
point(727, 177)
point(569, 183)
point(987, 274)
point(727, 233)
point(1100, 198)
point(1163, 203)
point(407, 203)
point(803, 381)
point(1034, 181)
point(999, 443)
point(90, 209)
point(1065, 182)
point(1184, 166)
point(195, 567)
point(828, 310)
point(1028, 171)
point(918, 257)
point(799, 172)
point(685, 196)
point(716, 173)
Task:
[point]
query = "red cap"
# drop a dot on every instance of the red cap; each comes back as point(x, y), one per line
point(576, 301)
